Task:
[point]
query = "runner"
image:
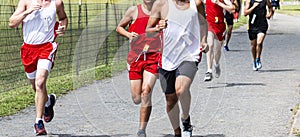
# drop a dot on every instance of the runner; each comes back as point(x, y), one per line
point(230, 19)
point(216, 34)
point(142, 58)
point(275, 4)
point(257, 27)
point(184, 31)
point(40, 28)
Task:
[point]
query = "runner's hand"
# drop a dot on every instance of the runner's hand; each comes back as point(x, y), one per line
point(268, 16)
point(204, 47)
point(257, 2)
point(132, 36)
point(61, 29)
point(34, 7)
point(215, 1)
point(162, 24)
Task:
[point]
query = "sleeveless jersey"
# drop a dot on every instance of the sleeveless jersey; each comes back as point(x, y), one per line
point(38, 27)
point(214, 13)
point(138, 45)
point(181, 37)
point(257, 18)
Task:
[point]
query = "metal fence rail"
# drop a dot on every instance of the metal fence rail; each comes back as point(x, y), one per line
point(90, 41)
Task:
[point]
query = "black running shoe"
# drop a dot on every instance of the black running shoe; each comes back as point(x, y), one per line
point(49, 112)
point(40, 128)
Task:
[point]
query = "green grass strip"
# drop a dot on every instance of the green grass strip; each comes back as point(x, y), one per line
point(293, 10)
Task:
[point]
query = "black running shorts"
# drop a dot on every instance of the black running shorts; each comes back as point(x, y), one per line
point(168, 78)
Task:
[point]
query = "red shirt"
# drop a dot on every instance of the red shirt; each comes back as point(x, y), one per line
point(214, 13)
point(137, 45)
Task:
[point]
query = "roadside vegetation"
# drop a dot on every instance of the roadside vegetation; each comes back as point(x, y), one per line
point(293, 10)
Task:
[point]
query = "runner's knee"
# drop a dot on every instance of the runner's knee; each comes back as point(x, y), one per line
point(136, 99)
point(40, 84)
point(146, 91)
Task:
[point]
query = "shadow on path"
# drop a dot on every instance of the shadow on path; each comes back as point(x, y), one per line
point(210, 135)
point(237, 50)
point(69, 135)
point(236, 85)
point(277, 70)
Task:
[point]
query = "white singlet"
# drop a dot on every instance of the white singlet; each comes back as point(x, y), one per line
point(38, 27)
point(181, 37)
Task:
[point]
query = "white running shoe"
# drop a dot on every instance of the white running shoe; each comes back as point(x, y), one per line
point(254, 67)
point(208, 76)
point(217, 71)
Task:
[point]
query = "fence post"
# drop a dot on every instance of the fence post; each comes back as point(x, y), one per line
point(106, 32)
point(79, 50)
point(86, 26)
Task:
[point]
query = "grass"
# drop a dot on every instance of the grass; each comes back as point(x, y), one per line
point(242, 21)
point(293, 10)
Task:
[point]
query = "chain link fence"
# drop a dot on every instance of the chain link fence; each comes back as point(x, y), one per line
point(90, 40)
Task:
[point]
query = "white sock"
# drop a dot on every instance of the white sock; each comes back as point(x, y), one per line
point(216, 65)
point(209, 70)
point(48, 103)
point(37, 120)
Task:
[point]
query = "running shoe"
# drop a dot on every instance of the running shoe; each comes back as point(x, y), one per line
point(187, 128)
point(254, 66)
point(258, 64)
point(40, 128)
point(141, 133)
point(226, 47)
point(49, 112)
point(208, 76)
point(217, 71)
point(177, 135)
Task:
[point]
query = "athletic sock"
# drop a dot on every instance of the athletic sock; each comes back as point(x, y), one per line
point(48, 103)
point(209, 70)
point(37, 120)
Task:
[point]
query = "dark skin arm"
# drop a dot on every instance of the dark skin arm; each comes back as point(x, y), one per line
point(248, 9)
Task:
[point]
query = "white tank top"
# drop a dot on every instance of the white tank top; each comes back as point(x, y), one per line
point(181, 37)
point(38, 27)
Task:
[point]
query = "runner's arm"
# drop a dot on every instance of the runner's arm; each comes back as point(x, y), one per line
point(155, 17)
point(62, 16)
point(236, 5)
point(270, 9)
point(128, 17)
point(248, 9)
point(227, 5)
point(203, 25)
point(21, 12)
